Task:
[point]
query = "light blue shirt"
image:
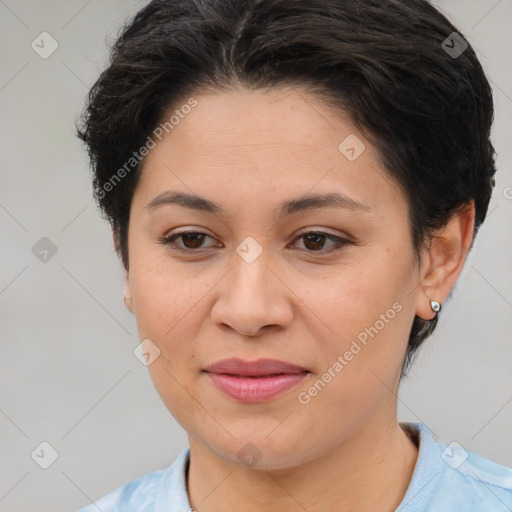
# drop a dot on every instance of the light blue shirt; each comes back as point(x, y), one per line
point(446, 478)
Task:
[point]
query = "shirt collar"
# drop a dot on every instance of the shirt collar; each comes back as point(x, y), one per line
point(425, 471)
point(172, 494)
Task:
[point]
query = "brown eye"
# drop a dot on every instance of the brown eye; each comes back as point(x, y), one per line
point(314, 241)
point(191, 241)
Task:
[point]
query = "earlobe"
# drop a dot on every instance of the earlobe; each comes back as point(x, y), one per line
point(443, 262)
point(127, 293)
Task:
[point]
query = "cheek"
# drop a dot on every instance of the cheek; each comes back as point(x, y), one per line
point(162, 295)
point(366, 311)
point(353, 298)
point(169, 306)
point(166, 302)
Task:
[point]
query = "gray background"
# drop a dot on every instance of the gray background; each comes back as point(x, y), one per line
point(67, 371)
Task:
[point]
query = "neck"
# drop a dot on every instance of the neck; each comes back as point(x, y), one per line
point(371, 470)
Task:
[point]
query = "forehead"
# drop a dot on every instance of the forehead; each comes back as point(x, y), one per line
point(273, 116)
point(277, 142)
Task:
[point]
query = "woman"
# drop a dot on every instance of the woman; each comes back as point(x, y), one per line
point(293, 188)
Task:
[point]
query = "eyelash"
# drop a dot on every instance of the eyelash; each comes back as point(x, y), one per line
point(340, 242)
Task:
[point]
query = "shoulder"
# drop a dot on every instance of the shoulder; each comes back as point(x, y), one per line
point(488, 478)
point(449, 477)
point(141, 494)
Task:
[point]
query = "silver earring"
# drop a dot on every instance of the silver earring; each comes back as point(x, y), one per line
point(436, 307)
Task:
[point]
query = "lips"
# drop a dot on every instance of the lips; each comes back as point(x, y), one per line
point(259, 368)
point(255, 381)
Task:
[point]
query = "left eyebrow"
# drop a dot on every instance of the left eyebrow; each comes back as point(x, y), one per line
point(290, 207)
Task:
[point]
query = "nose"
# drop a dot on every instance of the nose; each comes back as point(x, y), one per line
point(253, 299)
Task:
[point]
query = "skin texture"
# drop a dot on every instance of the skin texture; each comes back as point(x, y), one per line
point(248, 152)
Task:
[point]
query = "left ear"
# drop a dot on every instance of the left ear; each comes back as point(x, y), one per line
point(127, 293)
point(126, 285)
point(443, 260)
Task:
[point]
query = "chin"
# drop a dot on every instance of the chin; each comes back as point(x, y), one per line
point(260, 453)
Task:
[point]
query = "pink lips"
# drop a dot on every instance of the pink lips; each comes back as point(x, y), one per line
point(254, 381)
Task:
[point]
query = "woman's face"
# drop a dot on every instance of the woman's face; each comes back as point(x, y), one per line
point(252, 286)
